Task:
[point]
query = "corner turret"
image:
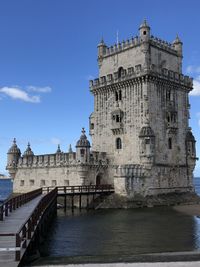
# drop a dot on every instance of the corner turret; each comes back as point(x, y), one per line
point(13, 156)
point(144, 30)
point(178, 45)
point(83, 148)
point(190, 149)
point(147, 145)
point(101, 51)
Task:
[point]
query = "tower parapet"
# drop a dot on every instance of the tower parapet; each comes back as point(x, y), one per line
point(137, 71)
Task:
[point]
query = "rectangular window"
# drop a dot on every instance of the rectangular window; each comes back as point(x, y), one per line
point(170, 143)
point(66, 182)
point(42, 183)
point(22, 183)
point(32, 182)
point(82, 152)
point(54, 183)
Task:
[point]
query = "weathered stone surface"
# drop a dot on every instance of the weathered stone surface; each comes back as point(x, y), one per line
point(141, 140)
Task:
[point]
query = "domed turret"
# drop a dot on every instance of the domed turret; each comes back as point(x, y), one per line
point(14, 148)
point(83, 142)
point(58, 150)
point(190, 144)
point(144, 30)
point(13, 156)
point(83, 148)
point(28, 151)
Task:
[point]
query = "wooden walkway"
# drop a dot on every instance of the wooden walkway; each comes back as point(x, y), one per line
point(24, 217)
point(10, 225)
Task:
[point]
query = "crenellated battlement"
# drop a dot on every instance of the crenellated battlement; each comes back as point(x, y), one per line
point(137, 71)
point(136, 41)
point(163, 44)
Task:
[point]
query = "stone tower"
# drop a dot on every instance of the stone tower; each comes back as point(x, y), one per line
point(141, 113)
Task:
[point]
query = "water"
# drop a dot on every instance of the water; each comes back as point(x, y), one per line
point(113, 234)
point(6, 187)
point(117, 234)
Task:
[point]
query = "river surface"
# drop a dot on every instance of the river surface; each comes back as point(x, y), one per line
point(114, 234)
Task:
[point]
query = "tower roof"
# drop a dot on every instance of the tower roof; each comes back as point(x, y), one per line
point(58, 150)
point(144, 25)
point(102, 42)
point(28, 151)
point(70, 149)
point(83, 142)
point(14, 148)
point(177, 40)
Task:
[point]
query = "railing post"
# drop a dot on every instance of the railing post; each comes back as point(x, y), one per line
point(18, 248)
point(1, 213)
point(6, 209)
point(24, 236)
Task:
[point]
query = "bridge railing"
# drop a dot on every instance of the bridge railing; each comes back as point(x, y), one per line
point(28, 229)
point(15, 202)
point(80, 189)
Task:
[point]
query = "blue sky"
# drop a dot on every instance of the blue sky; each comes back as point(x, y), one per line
point(48, 52)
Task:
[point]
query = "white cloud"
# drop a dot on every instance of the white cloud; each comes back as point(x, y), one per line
point(55, 141)
point(196, 87)
point(193, 69)
point(17, 93)
point(45, 89)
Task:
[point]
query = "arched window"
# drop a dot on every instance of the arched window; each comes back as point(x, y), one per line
point(170, 143)
point(118, 143)
point(120, 70)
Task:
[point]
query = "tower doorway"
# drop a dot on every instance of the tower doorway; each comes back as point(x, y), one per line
point(98, 179)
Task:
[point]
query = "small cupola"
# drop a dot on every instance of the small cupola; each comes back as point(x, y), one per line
point(28, 151)
point(13, 156)
point(83, 148)
point(58, 151)
point(14, 148)
point(83, 142)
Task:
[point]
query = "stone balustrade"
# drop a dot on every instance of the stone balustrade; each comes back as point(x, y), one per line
point(58, 159)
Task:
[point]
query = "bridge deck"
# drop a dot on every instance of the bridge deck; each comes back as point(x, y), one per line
point(10, 225)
